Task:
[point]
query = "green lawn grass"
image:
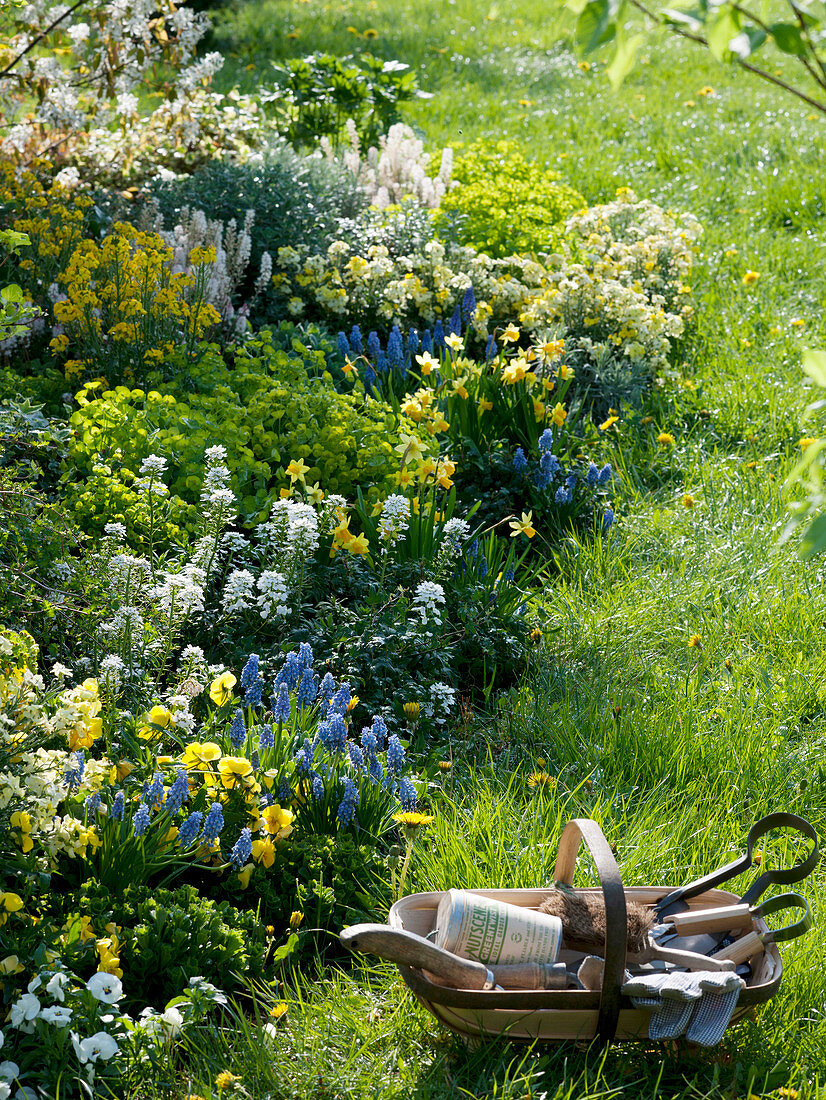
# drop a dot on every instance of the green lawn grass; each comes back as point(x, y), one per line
point(672, 750)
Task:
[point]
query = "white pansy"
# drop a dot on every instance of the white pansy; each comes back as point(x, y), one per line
point(107, 988)
point(100, 1046)
point(24, 1012)
point(58, 1015)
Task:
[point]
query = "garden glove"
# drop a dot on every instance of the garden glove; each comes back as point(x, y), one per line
point(700, 1001)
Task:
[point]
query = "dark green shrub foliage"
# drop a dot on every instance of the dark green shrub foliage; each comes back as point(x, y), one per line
point(169, 936)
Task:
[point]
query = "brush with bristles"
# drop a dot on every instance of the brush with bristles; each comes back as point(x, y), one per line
point(583, 929)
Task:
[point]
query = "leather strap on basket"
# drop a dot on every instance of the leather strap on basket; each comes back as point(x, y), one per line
point(616, 924)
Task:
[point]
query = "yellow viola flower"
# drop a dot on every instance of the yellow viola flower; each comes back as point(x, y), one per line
point(523, 526)
point(200, 754)
point(558, 414)
point(220, 690)
point(263, 851)
point(511, 334)
point(245, 875)
point(427, 363)
point(12, 903)
point(235, 771)
point(297, 470)
point(277, 820)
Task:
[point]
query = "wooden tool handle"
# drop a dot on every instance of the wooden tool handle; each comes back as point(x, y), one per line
point(532, 975)
point(691, 960)
point(723, 919)
point(742, 950)
point(407, 948)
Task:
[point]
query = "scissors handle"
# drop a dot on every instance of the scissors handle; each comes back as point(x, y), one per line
point(731, 870)
point(753, 943)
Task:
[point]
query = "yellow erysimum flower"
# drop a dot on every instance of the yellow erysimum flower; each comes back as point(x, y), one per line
point(220, 690)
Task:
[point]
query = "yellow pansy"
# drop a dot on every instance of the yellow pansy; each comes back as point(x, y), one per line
point(200, 754)
point(220, 690)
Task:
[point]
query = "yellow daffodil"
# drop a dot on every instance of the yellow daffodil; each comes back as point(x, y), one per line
point(438, 424)
point(565, 371)
point(220, 690)
point(511, 334)
point(315, 494)
point(553, 349)
point(485, 405)
point(349, 367)
point(427, 362)
point(297, 470)
point(358, 545)
point(559, 414)
point(426, 468)
point(445, 471)
point(523, 526)
point(460, 389)
point(11, 965)
point(455, 342)
point(515, 371)
point(410, 448)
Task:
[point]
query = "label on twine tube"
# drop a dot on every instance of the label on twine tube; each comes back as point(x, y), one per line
point(495, 932)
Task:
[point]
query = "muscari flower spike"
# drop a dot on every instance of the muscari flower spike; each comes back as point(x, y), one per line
point(395, 755)
point(454, 325)
point(607, 520)
point(369, 742)
point(250, 671)
point(190, 829)
point(606, 475)
point(468, 304)
point(519, 460)
point(412, 343)
point(237, 729)
point(427, 342)
point(242, 849)
point(343, 345)
point(347, 807)
point(178, 793)
point(213, 824)
point(355, 340)
point(592, 476)
point(140, 822)
point(379, 729)
point(318, 788)
point(373, 346)
point(439, 336)
point(281, 705)
point(491, 350)
point(395, 349)
point(117, 806)
point(407, 794)
point(307, 691)
point(266, 739)
point(327, 689)
point(356, 756)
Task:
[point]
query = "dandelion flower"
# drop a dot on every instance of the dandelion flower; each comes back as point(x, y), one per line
point(695, 642)
point(412, 820)
point(706, 90)
point(277, 1011)
point(666, 439)
point(805, 442)
point(609, 423)
point(688, 500)
point(750, 278)
point(540, 779)
point(225, 1080)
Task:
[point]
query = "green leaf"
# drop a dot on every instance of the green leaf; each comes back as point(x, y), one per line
point(723, 28)
point(814, 538)
point(624, 58)
point(788, 39)
point(814, 364)
point(597, 24)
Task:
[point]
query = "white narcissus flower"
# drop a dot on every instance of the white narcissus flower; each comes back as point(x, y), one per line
point(105, 987)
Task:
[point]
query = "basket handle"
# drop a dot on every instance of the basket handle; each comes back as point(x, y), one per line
point(616, 922)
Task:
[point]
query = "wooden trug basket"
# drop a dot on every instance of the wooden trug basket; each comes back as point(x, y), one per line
point(559, 1015)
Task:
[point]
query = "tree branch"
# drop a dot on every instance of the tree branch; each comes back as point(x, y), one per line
point(41, 35)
